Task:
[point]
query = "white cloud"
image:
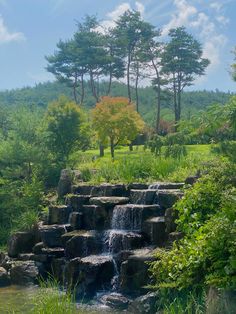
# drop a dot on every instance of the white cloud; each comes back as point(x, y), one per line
point(223, 20)
point(216, 5)
point(182, 17)
point(113, 16)
point(6, 36)
point(203, 25)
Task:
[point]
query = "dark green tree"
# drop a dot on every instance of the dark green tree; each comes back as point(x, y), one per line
point(182, 61)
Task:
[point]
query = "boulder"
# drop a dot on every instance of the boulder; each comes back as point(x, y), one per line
point(65, 182)
point(76, 220)
point(145, 304)
point(167, 198)
point(21, 242)
point(95, 217)
point(138, 186)
point(76, 202)
point(57, 268)
point(166, 186)
point(101, 190)
point(37, 249)
point(4, 277)
point(59, 214)
point(82, 243)
point(108, 201)
point(175, 236)
point(134, 274)
point(145, 197)
point(115, 300)
point(89, 274)
point(24, 272)
point(51, 235)
point(155, 228)
point(170, 217)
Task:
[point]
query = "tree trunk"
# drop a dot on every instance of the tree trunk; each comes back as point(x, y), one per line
point(112, 148)
point(131, 147)
point(128, 79)
point(109, 84)
point(158, 118)
point(101, 150)
point(136, 88)
point(74, 90)
point(82, 90)
point(93, 88)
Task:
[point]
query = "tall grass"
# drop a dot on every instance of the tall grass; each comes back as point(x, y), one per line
point(50, 299)
point(140, 168)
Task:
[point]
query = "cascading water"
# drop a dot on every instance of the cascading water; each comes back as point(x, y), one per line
point(127, 217)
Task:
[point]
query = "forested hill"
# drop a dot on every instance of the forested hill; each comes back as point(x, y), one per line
point(43, 93)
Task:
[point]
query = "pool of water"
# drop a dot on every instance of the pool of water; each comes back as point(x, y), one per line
point(20, 300)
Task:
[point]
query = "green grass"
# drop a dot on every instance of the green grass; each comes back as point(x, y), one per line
point(139, 165)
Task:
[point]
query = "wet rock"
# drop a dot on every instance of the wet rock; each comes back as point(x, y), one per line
point(59, 214)
point(65, 182)
point(54, 252)
point(26, 257)
point(24, 272)
point(138, 186)
point(21, 242)
point(170, 217)
point(175, 236)
point(134, 274)
point(145, 304)
point(156, 230)
point(191, 180)
point(132, 217)
point(145, 197)
point(108, 201)
point(167, 198)
point(119, 240)
point(115, 300)
point(51, 235)
point(166, 186)
point(76, 202)
point(101, 190)
point(37, 249)
point(89, 274)
point(57, 268)
point(82, 243)
point(95, 217)
point(4, 277)
point(76, 220)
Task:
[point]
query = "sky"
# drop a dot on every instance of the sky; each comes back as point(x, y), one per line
point(30, 30)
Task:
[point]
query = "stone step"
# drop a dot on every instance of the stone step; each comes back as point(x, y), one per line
point(119, 240)
point(101, 190)
point(166, 186)
point(82, 243)
point(59, 214)
point(167, 198)
point(90, 274)
point(134, 273)
point(95, 217)
point(52, 235)
point(76, 220)
point(76, 202)
point(108, 201)
point(155, 228)
point(144, 197)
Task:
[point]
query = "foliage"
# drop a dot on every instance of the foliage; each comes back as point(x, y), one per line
point(176, 151)
point(182, 61)
point(206, 255)
point(65, 127)
point(114, 118)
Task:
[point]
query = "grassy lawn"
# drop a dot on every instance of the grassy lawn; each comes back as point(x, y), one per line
point(139, 165)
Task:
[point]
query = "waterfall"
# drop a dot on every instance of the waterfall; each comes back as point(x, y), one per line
point(127, 217)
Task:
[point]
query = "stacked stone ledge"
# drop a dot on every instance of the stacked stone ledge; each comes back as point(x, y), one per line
point(70, 244)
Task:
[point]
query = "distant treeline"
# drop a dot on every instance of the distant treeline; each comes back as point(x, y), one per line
point(43, 93)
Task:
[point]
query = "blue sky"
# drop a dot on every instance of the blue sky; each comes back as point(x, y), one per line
point(30, 29)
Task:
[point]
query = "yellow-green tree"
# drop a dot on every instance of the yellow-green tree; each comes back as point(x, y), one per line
point(66, 128)
point(116, 121)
